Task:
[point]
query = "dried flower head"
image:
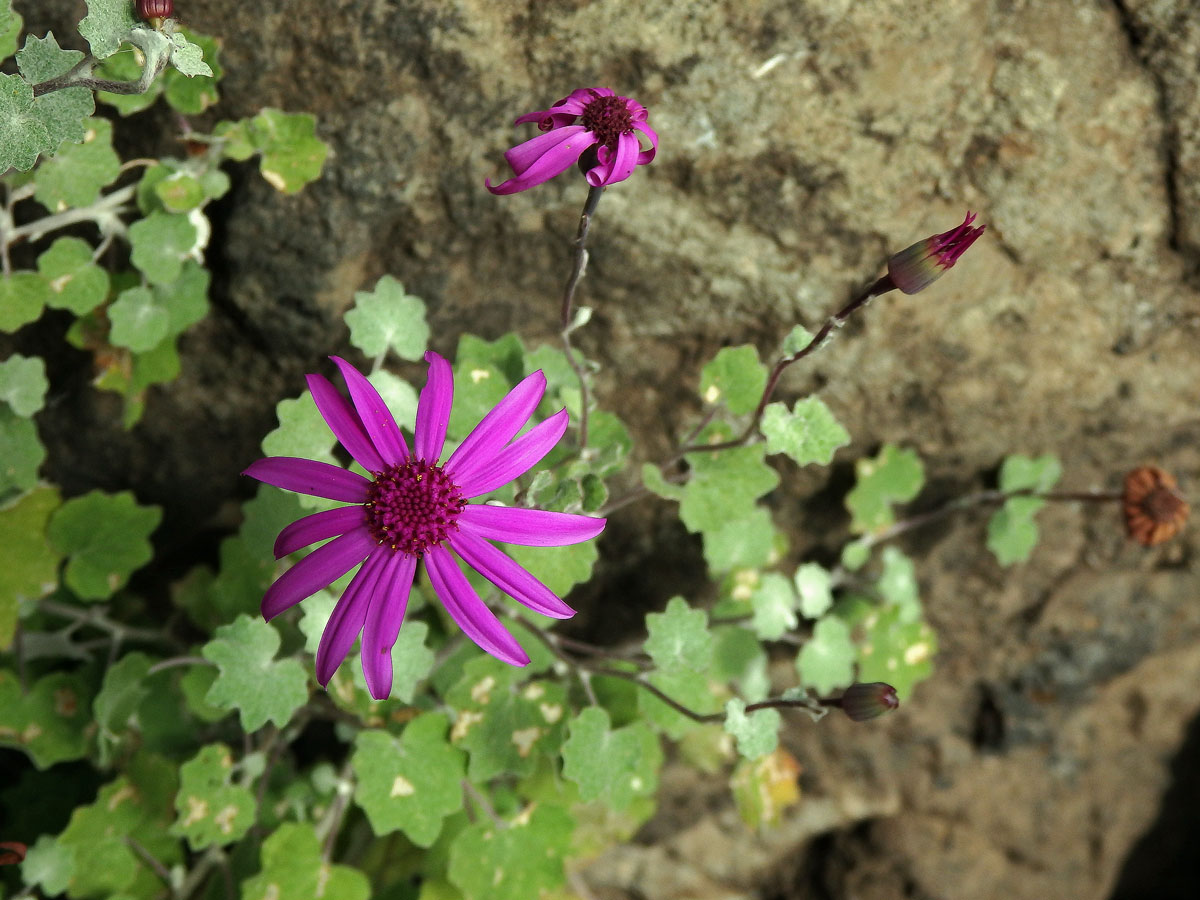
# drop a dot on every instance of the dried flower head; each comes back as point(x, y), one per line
point(867, 701)
point(1155, 510)
point(585, 119)
point(924, 262)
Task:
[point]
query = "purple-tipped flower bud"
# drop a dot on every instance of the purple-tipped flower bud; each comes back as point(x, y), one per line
point(924, 262)
point(866, 701)
point(150, 10)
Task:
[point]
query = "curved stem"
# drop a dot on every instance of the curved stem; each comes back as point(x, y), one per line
point(568, 300)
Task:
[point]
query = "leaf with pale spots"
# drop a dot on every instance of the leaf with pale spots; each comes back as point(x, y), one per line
point(106, 25)
point(896, 652)
point(76, 283)
point(292, 154)
point(826, 660)
point(23, 384)
point(757, 734)
point(294, 869)
point(735, 378)
point(46, 721)
point(520, 862)
point(892, 476)
point(105, 538)
point(210, 808)
point(388, 318)
point(410, 783)
point(748, 541)
point(774, 603)
point(261, 688)
point(504, 720)
point(808, 433)
point(615, 766)
point(77, 173)
point(764, 788)
point(679, 639)
point(897, 584)
point(814, 584)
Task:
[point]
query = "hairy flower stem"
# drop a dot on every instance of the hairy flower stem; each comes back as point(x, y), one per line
point(568, 302)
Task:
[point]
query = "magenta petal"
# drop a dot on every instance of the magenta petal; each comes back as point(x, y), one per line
point(507, 575)
point(517, 458)
point(525, 156)
point(561, 154)
point(383, 622)
point(317, 527)
point(497, 428)
point(472, 615)
point(322, 567)
point(528, 527)
point(646, 156)
point(433, 409)
point(344, 422)
point(348, 616)
point(307, 476)
point(376, 417)
point(616, 166)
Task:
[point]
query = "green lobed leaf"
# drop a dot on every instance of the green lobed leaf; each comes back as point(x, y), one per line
point(814, 584)
point(734, 377)
point(185, 298)
point(797, 339)
point(388, 318)
point(123, 689)
point(724, 486)
point(504, 720)
point(897, 584)
point(809, 433)
point(1012, 532)
point(10, 29)
point(210, 807)
point(261, 688)
point(411, 783)
point(48, 722)
point(1019, 473)
point(652, 478)
point(615, 766)
point(686, 687)
point(484, 372)
point(105, 539)
point(160, 243)
point(896, 652)
point(77, 173)
point(679, 639)
point(23, 134)
point(294, 869)
point(31, 569)
point(757, 734)
point(64, 112)
point(744, 542)
point(106, 25)
point(138, 320)
point(774, 602)
point(188, 58)
point(76, 283)
point(193, 95)
point(855, 554)
point(559, 568)
point(292, 154)
point(520, 862)
point(302, 431)
point(49, 865)
point(826, 661)
point(23, 296)
point(399, 397)
point(179, 192)
point(21, 453)
point(23, 384)
point(892, 476)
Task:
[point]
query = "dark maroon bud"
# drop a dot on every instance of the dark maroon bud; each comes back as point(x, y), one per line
point(11, 852)
point(866, 701)
point(149, 10)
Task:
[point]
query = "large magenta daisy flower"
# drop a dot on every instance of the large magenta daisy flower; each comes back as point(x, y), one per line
point(586, 118)
point(415, 508)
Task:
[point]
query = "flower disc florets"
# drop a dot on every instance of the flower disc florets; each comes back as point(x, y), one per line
point(608, 118)
point(413, 506)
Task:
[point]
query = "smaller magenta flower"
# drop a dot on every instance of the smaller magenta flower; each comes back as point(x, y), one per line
point(586, 118)
point(415, 510)
point(924, 262)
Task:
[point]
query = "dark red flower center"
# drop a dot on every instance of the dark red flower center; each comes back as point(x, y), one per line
point(413, 506)
point(608, 118)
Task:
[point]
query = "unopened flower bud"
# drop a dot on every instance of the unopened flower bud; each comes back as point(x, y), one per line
point(11, 852)
point(924, 262)
point(1155, 510)
point(155, 11)
point(867, 701)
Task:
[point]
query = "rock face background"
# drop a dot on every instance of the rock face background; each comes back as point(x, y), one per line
point(801, 142)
